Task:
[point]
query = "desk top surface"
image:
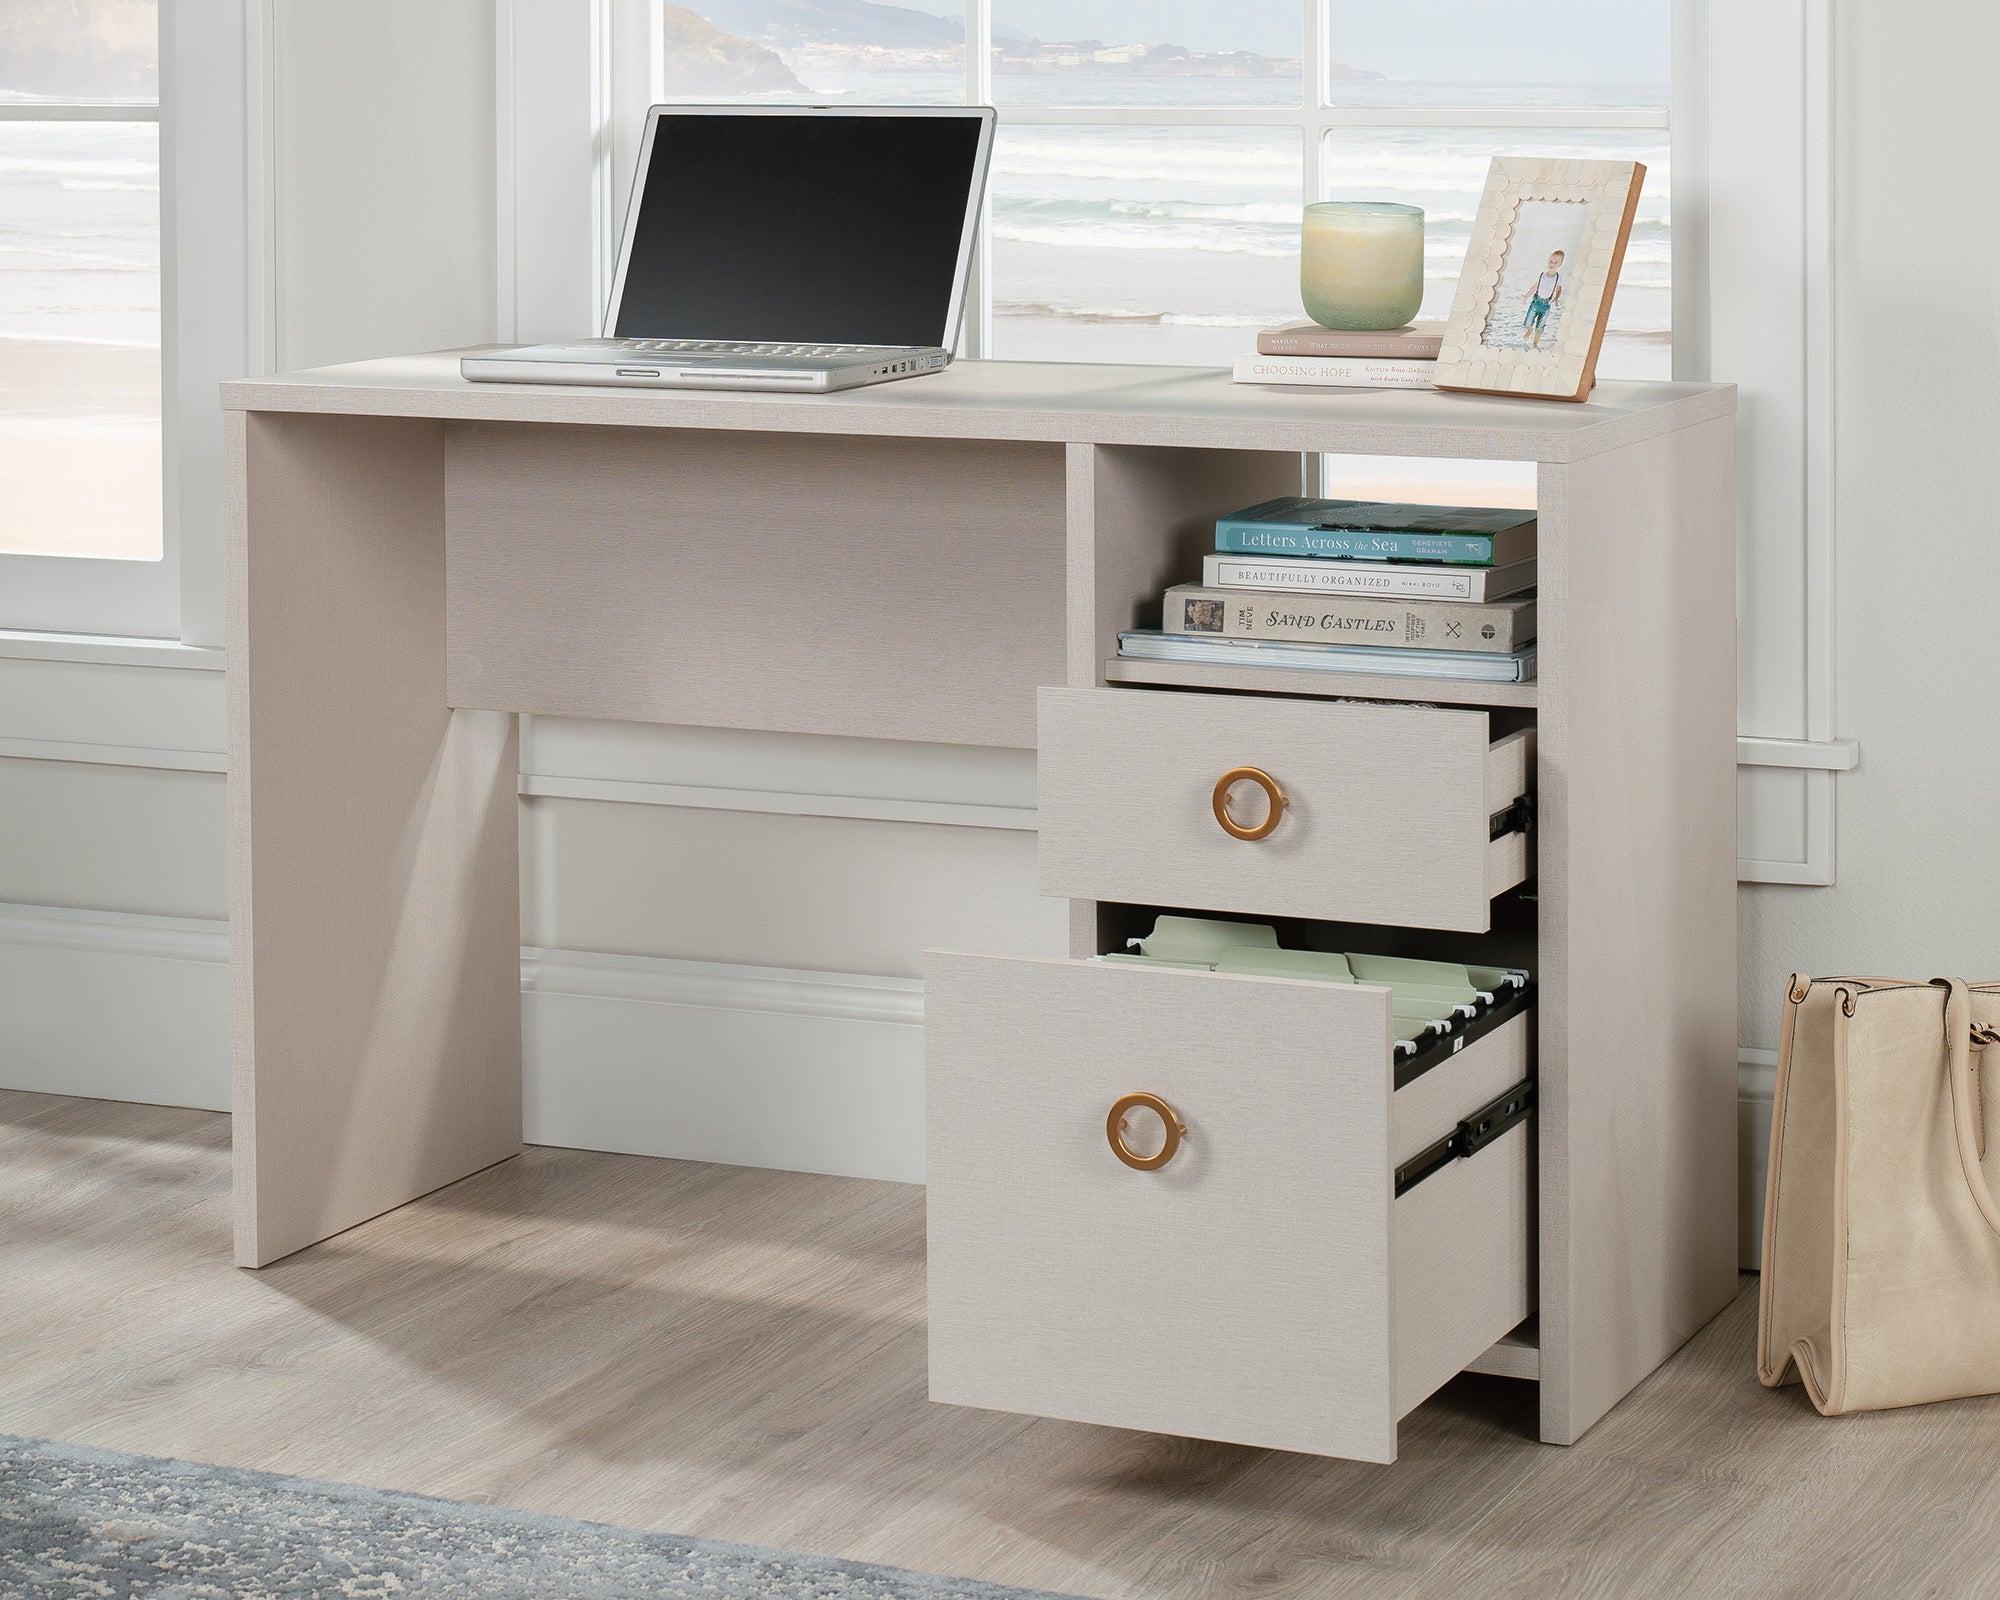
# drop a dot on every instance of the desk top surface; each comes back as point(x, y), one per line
point(1056, 402)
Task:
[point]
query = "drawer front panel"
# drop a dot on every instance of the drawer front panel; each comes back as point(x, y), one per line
point(1387, 816)
point(1240, 1292)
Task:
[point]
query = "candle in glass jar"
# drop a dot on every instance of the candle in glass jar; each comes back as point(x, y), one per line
point(1361, 264)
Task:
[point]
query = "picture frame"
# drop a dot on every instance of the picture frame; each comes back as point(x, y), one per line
point(1540, 270)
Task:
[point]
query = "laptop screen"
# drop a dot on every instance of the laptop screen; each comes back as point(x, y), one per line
point(805, 228)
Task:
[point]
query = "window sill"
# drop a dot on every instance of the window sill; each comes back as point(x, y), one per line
point(107, 650)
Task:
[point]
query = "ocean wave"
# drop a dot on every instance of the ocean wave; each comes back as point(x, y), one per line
point(1638, 328)
point(1207, 241)
point(1450, 225)
point(1131, 318)
point(1276, 218)
point(79, 166)
point(1256, 230)
point(79, 260)
point(1280, 168)
point(105, 185)
point(1208, 211)
point(1205, 319)
point(14, 336)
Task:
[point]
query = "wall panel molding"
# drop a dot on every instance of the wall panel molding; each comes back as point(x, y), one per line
point(138, 704)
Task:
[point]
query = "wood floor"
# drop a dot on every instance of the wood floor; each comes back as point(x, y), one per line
point(740, 1354)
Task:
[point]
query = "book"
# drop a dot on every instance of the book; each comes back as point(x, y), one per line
point(1420, 341)
point(1496, 628)
point(1335, 372)
point(1402, 580)
point(1146, 644)
point(1369, 530)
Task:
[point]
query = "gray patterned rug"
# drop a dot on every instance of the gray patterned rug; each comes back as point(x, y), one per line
point(76, 1523)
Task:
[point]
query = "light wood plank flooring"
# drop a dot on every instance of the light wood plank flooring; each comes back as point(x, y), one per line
point(735, 1353)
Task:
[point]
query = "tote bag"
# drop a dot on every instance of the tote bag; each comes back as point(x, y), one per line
point(1881, 1282)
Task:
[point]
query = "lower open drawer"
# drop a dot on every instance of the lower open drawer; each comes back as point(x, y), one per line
point(1266, 1285)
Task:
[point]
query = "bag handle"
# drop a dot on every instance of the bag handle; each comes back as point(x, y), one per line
point(1965, 1095)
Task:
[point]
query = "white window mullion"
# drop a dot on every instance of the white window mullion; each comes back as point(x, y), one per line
point(977, 339)
point(1331, 117)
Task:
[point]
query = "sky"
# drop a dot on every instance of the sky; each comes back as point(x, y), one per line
point(1596, 41)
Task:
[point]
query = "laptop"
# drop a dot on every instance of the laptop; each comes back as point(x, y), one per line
point(803, 248)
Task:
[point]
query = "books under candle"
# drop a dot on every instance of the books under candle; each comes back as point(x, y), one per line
point(1304, 353)
point(1446, 592)
point(1419, 341)
point(1334, 372)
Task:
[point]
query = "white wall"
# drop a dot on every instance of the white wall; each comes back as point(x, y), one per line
point(1917, 518)
point(383, 211)
point(675, 1006)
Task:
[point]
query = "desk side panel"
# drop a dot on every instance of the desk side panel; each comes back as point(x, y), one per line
point(876, 587)
point(1636, 741)
point(1140, 520)
point(374, 901)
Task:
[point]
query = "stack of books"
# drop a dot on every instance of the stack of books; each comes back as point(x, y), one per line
point(1358, 586)
point(1304, 352)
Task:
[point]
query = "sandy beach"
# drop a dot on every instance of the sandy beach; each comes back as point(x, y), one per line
point(79, 449)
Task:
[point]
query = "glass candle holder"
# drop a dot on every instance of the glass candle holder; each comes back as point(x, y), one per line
point(1361, 264)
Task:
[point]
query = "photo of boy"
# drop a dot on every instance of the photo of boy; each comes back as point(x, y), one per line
point(1531, 298)
point(1548, 292)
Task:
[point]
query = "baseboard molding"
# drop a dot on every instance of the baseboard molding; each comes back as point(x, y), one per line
point(114, 1006)
point(647, 1055)
point(133, 703)
point(1756, 1078)
point(754, 1066)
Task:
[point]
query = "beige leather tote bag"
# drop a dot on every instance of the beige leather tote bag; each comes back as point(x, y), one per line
point(1881, 1233)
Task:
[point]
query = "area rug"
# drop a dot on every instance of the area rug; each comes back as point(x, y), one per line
point(77, 1522)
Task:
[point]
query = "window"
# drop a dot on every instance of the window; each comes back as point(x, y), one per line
point(1153, 155)
point(131, 283)
point(1152, 160)
point(80, 459)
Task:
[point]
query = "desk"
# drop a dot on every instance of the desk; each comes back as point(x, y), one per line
point(413, 560)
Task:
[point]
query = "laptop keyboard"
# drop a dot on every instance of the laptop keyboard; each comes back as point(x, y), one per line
point(727, 347)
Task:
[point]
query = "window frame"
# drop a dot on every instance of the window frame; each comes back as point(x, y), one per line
point(630, 40)
point(112, 595)
point(214, 306)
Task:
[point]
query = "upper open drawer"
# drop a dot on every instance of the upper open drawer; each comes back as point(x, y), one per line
point(1389, 813)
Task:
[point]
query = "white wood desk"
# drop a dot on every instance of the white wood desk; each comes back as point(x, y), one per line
point(414, 559)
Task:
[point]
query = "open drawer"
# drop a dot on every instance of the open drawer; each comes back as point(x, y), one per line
point(1266, 1285)
point(1395, 814)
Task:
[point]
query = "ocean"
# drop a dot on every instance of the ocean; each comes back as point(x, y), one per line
point(1188, 236)
point(1176, 244)
point(80, 232)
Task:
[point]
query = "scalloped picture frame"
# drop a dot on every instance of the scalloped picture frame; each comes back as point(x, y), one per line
point(1489, 343)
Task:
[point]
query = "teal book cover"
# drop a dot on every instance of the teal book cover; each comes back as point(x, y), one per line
point(1367, 530)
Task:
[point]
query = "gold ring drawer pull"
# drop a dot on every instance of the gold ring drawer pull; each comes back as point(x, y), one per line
point(1272, 793)
point(1114, 1130)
